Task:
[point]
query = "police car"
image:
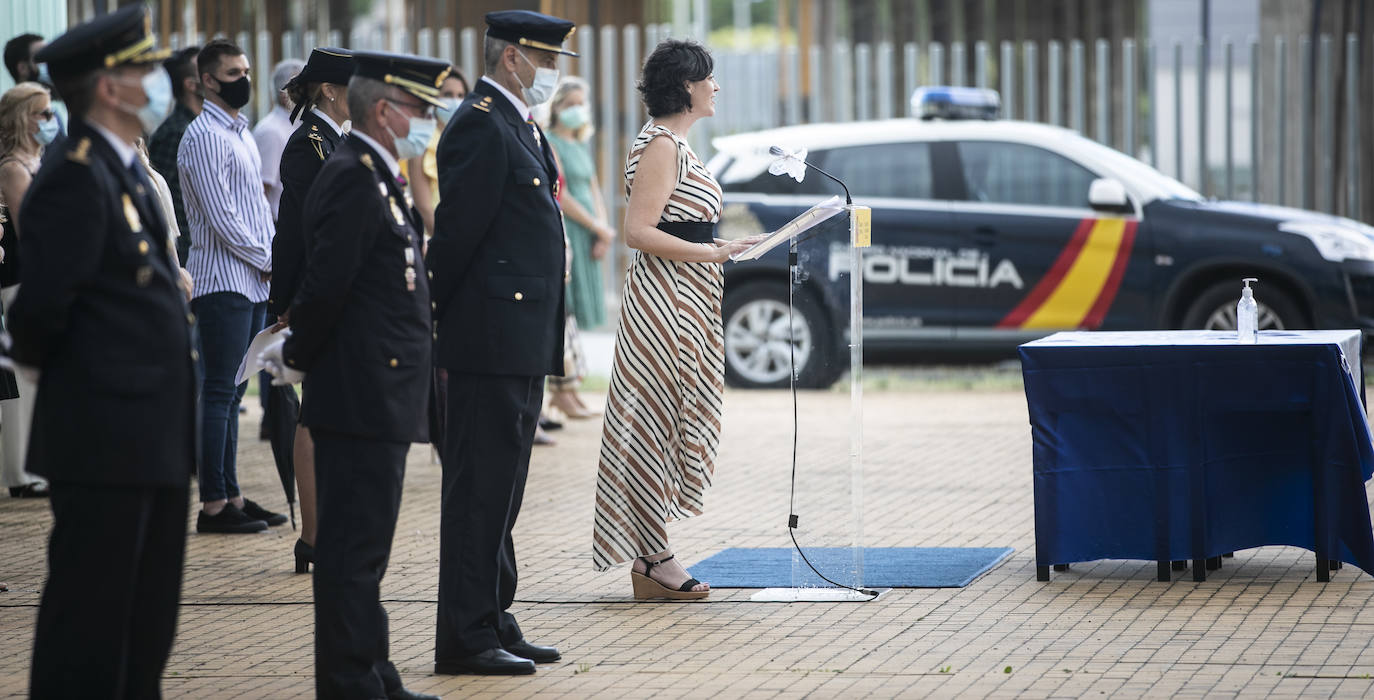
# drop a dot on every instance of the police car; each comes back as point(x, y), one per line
point(987, 233)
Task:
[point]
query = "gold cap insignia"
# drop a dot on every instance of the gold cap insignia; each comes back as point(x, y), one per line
point(131, 214)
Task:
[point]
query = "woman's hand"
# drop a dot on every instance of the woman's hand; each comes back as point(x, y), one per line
point(724, 249)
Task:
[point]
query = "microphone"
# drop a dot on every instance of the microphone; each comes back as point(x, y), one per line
point(779, 152)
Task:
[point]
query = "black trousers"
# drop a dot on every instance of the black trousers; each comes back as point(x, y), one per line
point(489, 430)
point(358, 496)
point(109, 610)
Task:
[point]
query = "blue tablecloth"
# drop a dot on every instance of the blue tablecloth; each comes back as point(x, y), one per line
point(1179, 445)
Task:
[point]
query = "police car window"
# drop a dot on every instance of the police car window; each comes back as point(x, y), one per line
point(900, 170)
point(1015, 173)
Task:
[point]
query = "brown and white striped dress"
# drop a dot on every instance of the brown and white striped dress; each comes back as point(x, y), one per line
point(662, 425)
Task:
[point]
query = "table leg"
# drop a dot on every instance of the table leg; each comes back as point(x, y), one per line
point(1323, 569)
point(1213, 563)
point(1229, 555)
point(1180, 565)
point(1061, 567)
point(1199, 569)
point(1162, 571)
point(1042, 573)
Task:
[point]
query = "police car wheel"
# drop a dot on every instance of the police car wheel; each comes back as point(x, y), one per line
point(1215, 309)
point(757, 352)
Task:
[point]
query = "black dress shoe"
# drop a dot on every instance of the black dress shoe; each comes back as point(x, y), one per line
point(33, 490)
point(492, 662)
point(403, 693)
point(534, 652)
point(305, 556)
point(230, 521)
point(257, 512)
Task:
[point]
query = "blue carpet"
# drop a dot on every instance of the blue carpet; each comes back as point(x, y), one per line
point(884, 567)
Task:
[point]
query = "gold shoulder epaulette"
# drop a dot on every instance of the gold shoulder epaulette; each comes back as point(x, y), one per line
point(366, 159)
point(482, 106)
point(81, 152)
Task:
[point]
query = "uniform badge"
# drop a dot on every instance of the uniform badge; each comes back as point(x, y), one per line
point(396, 212)
point(143, 275)
point(410, 279)
point(81, 153)
point(131, 214)
point(316, 142)
point(366, 159)
point(381, 187)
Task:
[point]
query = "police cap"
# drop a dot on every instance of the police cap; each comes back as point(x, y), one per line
point(532, 29)
point(122, 38)
point(416, 75)
point(326, 65)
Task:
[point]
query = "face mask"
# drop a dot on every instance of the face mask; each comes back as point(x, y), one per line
point(445, 113)
point(47, 131)
point(575, 117)
point(415, 142)
point(157, 86)
point(545, 80)
point(43, 76)
point(236, 93)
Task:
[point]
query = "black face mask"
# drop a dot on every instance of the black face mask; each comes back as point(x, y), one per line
point(236, 93)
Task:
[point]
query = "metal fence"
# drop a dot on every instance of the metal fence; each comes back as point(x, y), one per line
point(1232, 134)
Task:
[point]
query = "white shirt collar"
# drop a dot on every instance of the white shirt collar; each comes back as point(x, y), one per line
point(123, 149)
point(520, 107)
point(387, 158)
point(325, 117)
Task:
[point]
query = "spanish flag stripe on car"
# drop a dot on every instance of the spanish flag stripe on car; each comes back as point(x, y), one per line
point(1081, 285)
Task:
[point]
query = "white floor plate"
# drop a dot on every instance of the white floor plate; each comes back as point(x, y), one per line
point(813, 595)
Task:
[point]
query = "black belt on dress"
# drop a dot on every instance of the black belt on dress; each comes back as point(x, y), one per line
point(690, 231)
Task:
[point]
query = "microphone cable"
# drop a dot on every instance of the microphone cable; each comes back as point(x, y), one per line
point(792, 519)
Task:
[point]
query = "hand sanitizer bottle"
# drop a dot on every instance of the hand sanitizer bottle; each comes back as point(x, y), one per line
point(1247, 314)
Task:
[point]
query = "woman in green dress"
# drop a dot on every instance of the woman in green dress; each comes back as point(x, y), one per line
point(589, 234)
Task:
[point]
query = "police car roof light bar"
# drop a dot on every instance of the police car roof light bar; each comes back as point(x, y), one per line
point(945, 102)
point(780, 152)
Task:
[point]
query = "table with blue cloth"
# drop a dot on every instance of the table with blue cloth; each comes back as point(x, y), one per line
point(1179, 445)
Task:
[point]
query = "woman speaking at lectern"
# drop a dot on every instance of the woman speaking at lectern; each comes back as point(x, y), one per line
point(663, 413)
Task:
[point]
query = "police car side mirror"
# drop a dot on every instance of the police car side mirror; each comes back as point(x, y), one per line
point(1106, 194)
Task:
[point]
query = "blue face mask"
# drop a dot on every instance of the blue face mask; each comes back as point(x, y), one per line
point(157, 86)
point(445, 113)
point(43, 76)
point(417, 141)
point(575, 117)
point(47, 131)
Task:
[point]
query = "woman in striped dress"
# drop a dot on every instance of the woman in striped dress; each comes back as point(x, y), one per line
point(662, 421)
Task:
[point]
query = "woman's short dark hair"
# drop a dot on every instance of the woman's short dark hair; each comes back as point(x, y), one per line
point(672, 65)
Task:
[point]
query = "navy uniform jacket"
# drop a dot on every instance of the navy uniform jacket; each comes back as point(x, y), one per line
point(497, 255)
point(100, 312)
point(305, 152)
point(360, 335)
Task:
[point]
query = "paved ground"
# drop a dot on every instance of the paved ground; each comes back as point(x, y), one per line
point(943, 468)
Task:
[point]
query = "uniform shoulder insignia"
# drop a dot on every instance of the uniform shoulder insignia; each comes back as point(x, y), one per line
point(316, 142)
point(483, 106)
point(366, 159)
point(314, 127)
point(81, 152)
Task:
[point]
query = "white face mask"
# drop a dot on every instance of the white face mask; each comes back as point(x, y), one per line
point(415, 141)
point(545, 80)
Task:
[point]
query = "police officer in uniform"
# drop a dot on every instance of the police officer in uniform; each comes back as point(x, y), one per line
point(360, 331)
point(102, 319)
point(318, 91)
point(497, 260)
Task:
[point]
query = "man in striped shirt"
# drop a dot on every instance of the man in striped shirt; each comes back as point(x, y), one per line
point(231, 263)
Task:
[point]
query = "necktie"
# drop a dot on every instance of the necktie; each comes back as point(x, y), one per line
point(534, 129)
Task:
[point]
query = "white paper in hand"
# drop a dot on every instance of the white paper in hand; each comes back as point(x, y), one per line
point(249, 364)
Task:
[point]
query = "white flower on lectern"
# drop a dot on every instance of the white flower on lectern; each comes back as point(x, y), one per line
point(789, 162)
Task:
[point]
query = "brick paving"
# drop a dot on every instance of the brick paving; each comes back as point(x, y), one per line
point(942, 468)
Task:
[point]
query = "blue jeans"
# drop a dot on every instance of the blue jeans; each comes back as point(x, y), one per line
point(228, 322)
